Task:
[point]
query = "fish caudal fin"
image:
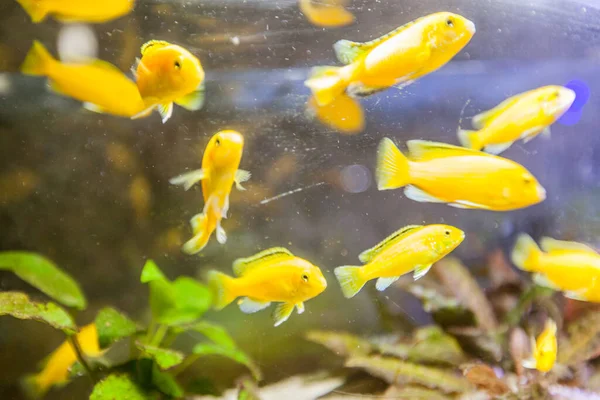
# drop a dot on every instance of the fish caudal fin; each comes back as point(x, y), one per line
point(35, 386)
point(326, 84)
point(350, 279)
point(525, 253)
point(37, 61)
point(35, 8)
point(392, 166)
point(469, 139)
point(202, 234)
point(221, 287)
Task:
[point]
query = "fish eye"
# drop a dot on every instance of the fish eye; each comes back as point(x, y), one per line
point(177, 64)
point(305, 278)
point(447, 232)
point(527, 179)
point(218, 142)
point(450, 23)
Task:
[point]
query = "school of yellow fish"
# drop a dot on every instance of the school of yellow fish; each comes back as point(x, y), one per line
point(469, 177)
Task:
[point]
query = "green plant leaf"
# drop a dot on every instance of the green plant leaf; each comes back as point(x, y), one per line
point(465, 288)
point(413, 393)
point(399, 372)
point(205, 349)
point(151, 272)
point(165, 358)
point(165, 383)
point(44, 275)
point(113, 326)
point(118, 387)
point(174, 303)
point(341, 343)
point(19, 305)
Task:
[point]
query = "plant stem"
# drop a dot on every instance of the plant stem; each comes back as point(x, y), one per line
point(150, 331)
point(189, 360)
point(170, 338)
point(159, 335)
point(80, 357)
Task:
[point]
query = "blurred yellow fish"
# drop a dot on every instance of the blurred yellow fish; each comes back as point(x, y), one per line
point(570, 267)
point(56, 371)
point(412, 248)
point(77, 10)
point(100, 85)
point(168, 73)
point(344, 114)
point(327, 13)
point(463, 178)
point(219, 172)
point(397, 58)
point(273, 275)
point(523, 116)
point(544, 349)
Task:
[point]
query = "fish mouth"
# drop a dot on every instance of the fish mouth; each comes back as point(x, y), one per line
point(470, 25)
point(567, 97)
point(541, 192)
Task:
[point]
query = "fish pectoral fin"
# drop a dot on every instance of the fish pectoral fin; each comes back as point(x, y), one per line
point(221, 234)
point(531, 133)
point(93, 107)
point(165, 110)
point(282, 313)
point(249, 306)
point(497, 148)
point(468, 205)
point(542, 280)
point(416, 194)
point(550, 245)
point(225, 209)
point(384, 283)
point(135, 66)
point(189, 179)
point(529, 363)
point(192, 101)
point(421, 271)
point(144, 113)
point(241, 176)
point(242, 266)
point(369, 254)
point(300, 307)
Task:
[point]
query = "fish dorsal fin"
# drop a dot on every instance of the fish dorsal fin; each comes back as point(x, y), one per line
point(483, 119)
point(368, 255)
point(241, 266)
point(423, 150)
point(552, 245)
point(347, 51)
point(153, 45)
point(105, 65)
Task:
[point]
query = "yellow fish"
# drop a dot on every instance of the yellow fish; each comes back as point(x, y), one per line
point(56, 370)
point(77, 10)
point(397, 58)
point(412, 248)
point(570, 267)
point(327, 13)
point(168, 73)
point(219, 172)
point(544, 349)
point(523, 116)
point(100, 85)
point(344, 114)
point(463, 178)
point(273, 275)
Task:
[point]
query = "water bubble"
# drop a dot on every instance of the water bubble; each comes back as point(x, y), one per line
point(77, 42)
point(355, 178)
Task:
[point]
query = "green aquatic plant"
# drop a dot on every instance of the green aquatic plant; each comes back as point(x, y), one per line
point(137, 361)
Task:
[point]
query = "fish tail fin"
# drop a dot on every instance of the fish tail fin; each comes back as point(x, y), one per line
point(202, 232)
point(34, 386)
point(392, 166)
point(35, 8)
point(37, 60)
point(525, 253)
point(469, 139)
point(351, 280)
point(221, 286)
point(326, 83)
